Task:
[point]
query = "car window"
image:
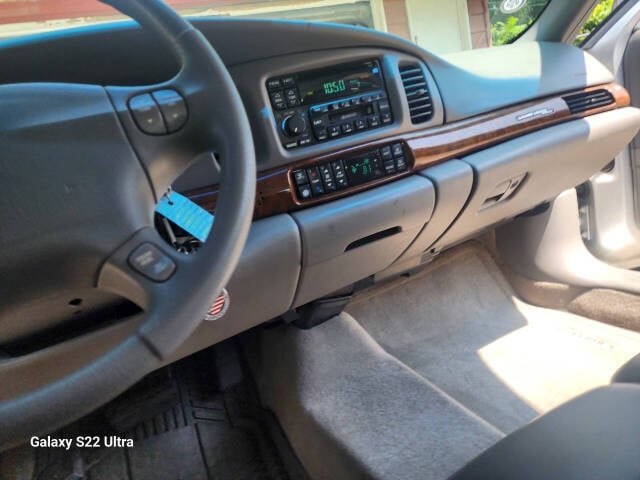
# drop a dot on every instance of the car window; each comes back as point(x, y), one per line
point(511, 18)
point(441, 26)
point(597, 17)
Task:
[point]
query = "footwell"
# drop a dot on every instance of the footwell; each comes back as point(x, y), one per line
point(198, 419)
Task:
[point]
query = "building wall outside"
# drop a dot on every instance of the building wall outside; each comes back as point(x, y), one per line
point(437, 25)
point(479, 24)
point(397, 19)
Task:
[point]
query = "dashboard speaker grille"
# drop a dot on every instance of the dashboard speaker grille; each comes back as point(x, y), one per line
point(417, 92)
point(581, 102)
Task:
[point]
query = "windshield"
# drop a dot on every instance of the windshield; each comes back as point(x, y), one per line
point(437, 25)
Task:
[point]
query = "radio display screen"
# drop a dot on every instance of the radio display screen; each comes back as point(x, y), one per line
point(324, 85)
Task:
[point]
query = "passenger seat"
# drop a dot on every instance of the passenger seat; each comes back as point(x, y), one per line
point(596, 435)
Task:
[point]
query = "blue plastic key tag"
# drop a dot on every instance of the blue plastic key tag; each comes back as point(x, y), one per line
point(187, 215)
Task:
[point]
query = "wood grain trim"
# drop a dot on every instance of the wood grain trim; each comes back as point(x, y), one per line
point(275, 192)
point(480, 132)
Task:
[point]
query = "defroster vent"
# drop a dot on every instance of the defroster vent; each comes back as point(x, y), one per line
point(418, 96)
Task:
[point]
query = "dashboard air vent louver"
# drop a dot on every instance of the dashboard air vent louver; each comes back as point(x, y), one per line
point(418, 96)
point(581, 102)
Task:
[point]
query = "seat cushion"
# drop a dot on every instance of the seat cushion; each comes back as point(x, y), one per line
point(596, 435)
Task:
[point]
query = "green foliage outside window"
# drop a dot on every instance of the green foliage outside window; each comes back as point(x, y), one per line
point(505, 29)
point(598, 15)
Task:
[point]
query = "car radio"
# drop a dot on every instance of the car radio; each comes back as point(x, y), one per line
point(319, 105)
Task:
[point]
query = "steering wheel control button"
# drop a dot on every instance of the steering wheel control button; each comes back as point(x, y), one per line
point(173, 108)
point(147, 114)
point(151, 262)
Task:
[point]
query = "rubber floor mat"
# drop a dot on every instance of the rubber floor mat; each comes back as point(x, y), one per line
point(199, 419)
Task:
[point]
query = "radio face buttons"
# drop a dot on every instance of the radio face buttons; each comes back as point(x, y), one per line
point(278, 101)
point(274, 84)
point(334, 131)
point(333, 102)
point(321, 134)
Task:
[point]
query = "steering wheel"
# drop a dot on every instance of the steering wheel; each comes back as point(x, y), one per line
point(82, 169)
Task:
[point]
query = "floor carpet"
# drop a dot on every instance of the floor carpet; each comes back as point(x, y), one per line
point(459, 325)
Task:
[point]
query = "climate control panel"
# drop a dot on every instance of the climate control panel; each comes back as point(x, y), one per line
point(329, 177)
point(320, 105)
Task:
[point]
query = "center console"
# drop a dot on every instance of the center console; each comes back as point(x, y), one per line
point(318, 105)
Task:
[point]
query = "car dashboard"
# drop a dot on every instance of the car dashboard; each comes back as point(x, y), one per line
point(373, 155)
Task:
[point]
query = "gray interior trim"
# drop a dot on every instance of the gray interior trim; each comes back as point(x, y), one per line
point(611, 214)
point(558, 21)
point(453, 181)
point(542, 68)
point(328, 230)
point(27, 373)
point(543, 163)
point(472, 82)
point(549, 247)
point(610, 46)
point(612, 204)
point(262, 286)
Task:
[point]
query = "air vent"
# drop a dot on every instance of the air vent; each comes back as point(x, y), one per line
point(418, 97)
point(581, 102)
